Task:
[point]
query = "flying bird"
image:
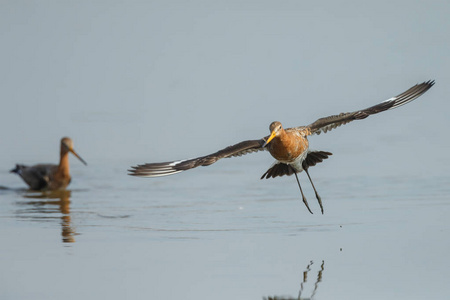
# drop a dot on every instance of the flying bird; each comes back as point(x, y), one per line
point(49, 176)
point(289, 147)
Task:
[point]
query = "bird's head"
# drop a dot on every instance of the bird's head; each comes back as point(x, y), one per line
point(275, 130)
point(67, 146)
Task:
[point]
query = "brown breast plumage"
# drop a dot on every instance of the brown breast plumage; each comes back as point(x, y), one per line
point(288, 146)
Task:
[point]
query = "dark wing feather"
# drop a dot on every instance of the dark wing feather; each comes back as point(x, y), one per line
point(173, 167)
point(314, 157)
point(331, 122)
point(37, 176)
point(281, 169)
point(278, 169)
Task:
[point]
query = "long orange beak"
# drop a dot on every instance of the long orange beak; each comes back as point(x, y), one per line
point(272, 135)
point(79, 157)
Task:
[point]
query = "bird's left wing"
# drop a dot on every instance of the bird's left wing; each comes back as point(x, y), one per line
point(331, 122)
point(173, 167)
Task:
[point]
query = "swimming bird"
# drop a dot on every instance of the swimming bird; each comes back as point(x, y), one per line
point(289, 147)
point(49, 176)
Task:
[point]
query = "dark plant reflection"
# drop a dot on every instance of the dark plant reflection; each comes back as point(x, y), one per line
point(303, 284)
point(45, 206)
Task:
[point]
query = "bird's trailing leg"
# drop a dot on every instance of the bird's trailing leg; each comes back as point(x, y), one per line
point(317, 195)
point(301, 191)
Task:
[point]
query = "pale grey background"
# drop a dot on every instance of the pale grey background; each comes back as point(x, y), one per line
point(134, 81)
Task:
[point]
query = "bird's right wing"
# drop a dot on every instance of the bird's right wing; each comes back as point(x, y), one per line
point(37, 176)
point(173, 167)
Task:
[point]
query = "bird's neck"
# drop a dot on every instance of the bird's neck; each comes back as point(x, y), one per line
point(64, 163)
point(282, 138)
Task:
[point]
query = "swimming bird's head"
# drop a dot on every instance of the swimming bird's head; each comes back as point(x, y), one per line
point(67, 146)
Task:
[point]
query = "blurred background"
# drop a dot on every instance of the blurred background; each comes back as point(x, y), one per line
point(144, 81)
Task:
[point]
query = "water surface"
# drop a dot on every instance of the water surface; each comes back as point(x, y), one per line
point(221, 233)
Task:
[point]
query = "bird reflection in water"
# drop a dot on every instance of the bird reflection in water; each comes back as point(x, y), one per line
point(302, 285)
point(44, 204)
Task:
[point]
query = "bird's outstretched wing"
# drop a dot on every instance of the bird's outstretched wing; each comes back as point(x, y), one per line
point(173, 167)
point(331, 122)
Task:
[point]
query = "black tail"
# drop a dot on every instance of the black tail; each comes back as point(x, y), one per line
point(16, 169)
point(281, 169)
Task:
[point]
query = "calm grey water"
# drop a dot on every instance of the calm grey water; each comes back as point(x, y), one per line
point(222, 233)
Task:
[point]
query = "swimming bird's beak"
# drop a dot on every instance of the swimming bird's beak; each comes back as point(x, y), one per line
point(79, 157)
point(272, 135)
